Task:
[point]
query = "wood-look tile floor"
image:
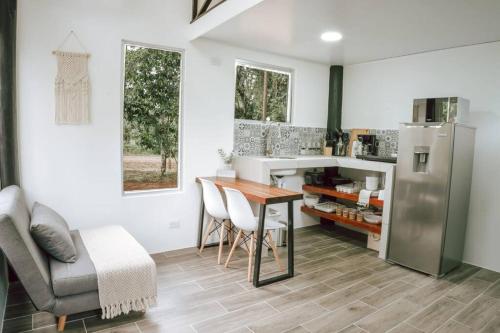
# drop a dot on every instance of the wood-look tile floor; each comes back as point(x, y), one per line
point(339, 287)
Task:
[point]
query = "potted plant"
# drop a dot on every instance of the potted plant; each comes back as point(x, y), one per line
point(227, 159)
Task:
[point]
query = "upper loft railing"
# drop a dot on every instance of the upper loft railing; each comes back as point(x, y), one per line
point(201, 7)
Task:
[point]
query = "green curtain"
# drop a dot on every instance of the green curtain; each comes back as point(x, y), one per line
point(8, 154)
point(8, 146)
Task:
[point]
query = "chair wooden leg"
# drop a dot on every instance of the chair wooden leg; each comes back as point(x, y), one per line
point(235, 244)
point(275, 250)
point(61, 322)
point(221, 241)
point(207, 233)
point(250, 257)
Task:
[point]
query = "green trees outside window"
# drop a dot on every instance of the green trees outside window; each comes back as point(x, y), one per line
point(262, 93)
point(151, 95)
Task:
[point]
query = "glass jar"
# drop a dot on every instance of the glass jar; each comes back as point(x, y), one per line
point(339, 209)
point(352, 214)
point(345, 212)
point(359, 216)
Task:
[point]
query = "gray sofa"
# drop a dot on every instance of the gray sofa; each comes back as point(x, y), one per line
point(53, 286)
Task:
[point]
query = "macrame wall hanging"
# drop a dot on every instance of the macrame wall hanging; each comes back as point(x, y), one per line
point(72, 87)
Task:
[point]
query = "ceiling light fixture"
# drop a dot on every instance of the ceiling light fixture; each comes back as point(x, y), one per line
point(331, 36)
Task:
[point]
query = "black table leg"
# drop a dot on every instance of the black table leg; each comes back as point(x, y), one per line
point(258, 253)
point(202, 217)
point(290, 243)
point(258, 250)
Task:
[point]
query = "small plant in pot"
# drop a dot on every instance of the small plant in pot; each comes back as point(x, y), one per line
point(227, 159)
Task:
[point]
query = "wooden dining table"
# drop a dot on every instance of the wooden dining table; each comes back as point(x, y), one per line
point(262, 195)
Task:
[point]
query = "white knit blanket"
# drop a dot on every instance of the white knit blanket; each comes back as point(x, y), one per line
point(126, 274)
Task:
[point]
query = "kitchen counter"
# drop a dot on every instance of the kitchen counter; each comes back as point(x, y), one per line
point(312, 161)
point(259, 169)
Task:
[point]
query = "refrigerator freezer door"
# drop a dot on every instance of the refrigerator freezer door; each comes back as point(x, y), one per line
point(421, 196)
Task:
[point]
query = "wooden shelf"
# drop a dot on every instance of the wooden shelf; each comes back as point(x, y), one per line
point(375, 228)
point(330, 191)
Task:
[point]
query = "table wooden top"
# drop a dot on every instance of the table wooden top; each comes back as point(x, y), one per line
point(256, 192)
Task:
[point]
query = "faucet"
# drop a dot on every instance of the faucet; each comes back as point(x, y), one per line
point(267, 129)
point(268, 139)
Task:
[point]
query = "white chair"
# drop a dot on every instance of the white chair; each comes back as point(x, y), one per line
point(243, 218)
point(219, 217)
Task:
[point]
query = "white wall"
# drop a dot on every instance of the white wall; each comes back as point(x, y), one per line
point(380, 95)
point(76, 169)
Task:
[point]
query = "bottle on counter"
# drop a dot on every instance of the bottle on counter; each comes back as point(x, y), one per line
point(339, 147)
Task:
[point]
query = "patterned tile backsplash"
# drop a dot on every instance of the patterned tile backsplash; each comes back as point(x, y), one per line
point(250, 139)
point(387, 142)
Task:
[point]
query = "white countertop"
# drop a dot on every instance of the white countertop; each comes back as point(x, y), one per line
point(317, 161)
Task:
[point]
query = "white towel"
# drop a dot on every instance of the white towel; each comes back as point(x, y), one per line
point(126, 274)
point(364, 198)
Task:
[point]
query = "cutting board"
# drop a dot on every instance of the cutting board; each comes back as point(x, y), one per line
point(353, 136)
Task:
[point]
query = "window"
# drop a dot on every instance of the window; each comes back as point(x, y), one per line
point(151, 118)
point(262, 92)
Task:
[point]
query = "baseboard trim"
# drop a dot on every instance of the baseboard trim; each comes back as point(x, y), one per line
point(483, 267)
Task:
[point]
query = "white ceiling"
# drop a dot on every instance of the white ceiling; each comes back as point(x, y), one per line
point(372, 29)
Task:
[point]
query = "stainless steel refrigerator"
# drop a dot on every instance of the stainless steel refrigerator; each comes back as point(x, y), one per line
point(431, 196)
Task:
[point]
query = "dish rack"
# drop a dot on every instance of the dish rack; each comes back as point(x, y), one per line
point(328, 206)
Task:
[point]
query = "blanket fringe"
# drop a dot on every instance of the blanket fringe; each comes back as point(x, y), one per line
point(124, 307)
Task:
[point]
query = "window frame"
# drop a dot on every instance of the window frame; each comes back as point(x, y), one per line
point(180, 135)
point(270, 68)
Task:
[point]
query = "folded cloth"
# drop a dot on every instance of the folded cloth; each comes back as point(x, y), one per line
point(364, 198)
point(126, 274)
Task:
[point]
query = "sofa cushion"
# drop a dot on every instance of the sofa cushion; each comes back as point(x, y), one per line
point(74, 278)
point(51, 233)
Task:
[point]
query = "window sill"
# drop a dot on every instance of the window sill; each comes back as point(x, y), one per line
point(155, 192)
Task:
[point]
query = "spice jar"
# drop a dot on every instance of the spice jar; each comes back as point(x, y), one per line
point(339, 209)
point(359, 216)
point(352, 214)
point(345, 212)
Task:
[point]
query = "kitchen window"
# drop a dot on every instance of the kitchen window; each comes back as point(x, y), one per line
point(262, 92)
point(151, 117)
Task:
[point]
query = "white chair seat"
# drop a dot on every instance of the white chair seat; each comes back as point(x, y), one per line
point(213, 201)
point(223, 217)
point(268, 225)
